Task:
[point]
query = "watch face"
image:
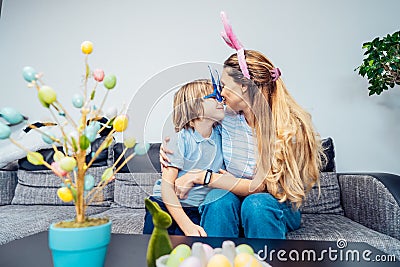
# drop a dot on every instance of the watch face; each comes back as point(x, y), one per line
point(207, 177)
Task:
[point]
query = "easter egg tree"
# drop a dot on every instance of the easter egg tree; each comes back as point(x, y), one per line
point(70, 150)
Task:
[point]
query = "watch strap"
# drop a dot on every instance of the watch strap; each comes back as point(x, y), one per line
point(207, 177)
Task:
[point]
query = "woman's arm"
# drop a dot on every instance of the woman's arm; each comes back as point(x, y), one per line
point(174, 206)
point(222, 180)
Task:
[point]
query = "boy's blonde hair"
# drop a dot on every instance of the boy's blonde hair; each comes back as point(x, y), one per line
point(188, 103)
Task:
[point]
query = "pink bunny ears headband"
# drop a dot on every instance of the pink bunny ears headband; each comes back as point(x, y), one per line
point(231, 40)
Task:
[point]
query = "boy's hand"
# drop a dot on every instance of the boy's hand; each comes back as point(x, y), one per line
point(186, 182)
point(195, 230)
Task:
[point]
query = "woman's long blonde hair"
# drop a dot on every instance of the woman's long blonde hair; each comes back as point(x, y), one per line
point(289, 149)
point(188, 103)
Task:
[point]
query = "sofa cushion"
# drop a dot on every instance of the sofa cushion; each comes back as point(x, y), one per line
point(334, 227)
point(40, 187)
point(8, 182)
point(125, 220)
point(328, 162)
point(132, 188)
point(328, 201)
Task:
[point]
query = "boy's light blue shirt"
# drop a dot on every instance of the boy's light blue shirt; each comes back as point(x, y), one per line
point(192, 151)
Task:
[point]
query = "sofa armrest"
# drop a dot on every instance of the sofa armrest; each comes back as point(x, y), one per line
point(373, 200)
point(8, 182)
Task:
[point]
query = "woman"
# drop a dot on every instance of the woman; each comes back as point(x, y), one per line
point(268, 142)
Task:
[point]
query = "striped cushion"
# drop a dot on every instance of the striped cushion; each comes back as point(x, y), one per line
point(132, 188)
point(8, 182)
point(40, 188)
point(328, 201)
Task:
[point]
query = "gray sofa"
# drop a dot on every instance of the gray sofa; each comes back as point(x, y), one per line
point(355, 207)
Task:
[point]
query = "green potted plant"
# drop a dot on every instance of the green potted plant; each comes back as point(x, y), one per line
point(382, 63)
point(82, 241)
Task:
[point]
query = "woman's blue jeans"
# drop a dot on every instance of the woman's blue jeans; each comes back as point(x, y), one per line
point(260, 215)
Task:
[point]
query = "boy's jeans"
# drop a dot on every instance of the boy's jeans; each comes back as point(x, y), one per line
point(261, 215)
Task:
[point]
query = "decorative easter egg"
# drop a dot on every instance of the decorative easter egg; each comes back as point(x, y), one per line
point(91, 131)
point(98, 75)
point(5, 131)
point(67, 163)
point(58, 155)
point(178, 255)
point(65, 194)
point(11, 115)
point(219, 260)
point(89, 182)
point(246, 260)
point(47, 137)
point(208, 251)
point(77, 100)
point(130, 142)
point(35, 158)
point(120, 123)
point(57, 170)
point(29, 74)
point(44, 104)
point(87, 47)
point(110, 81)
point(191, 262)
point(96, 125)
point(244, 248)
point(141, 148)
point(47, 94)
point(107, 174)
point(111, 112)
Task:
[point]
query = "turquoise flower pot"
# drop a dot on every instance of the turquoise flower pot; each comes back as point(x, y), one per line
point(79, 246)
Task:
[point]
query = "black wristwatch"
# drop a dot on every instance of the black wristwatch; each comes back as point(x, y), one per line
point(207, 177)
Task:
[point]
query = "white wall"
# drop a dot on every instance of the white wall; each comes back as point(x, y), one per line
point(317, 45)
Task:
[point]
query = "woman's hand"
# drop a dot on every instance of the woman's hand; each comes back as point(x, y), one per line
point(164, 160)
point(184, 183)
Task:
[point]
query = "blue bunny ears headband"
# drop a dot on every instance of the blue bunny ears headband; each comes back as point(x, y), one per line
point(217, 87)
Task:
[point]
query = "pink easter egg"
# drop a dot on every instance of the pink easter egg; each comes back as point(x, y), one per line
point(98, 75)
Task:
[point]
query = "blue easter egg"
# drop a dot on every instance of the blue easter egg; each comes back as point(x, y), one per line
point(29, 74)
point(46, 137)
point(91, 133)
point(96, 125)
point(77, 100)
point(89, 182)
point(141, 148)
point(5, 131)
point(11, 115)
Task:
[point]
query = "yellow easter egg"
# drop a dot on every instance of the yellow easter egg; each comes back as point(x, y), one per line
point(87, 47)
point(219, 260)
point(120, 123)
point(246, 260)
point(65, 194)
